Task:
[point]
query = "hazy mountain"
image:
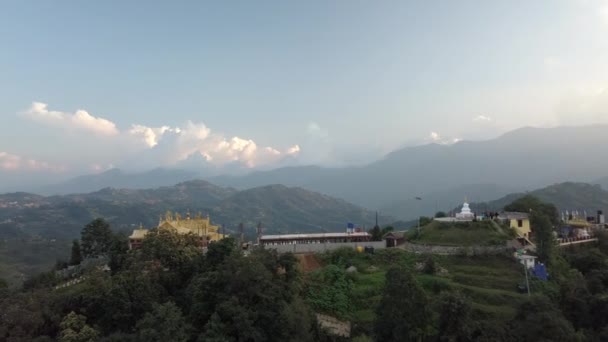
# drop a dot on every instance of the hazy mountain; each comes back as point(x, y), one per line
point(521, 159)
point(603, 182)
point(565, 196)
point(279, 208)
point(115, 178)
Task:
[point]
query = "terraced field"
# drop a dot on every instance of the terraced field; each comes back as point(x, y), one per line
point(491, 283)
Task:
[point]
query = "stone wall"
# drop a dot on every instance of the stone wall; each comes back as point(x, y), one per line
point(453, 250)
point(324, 247)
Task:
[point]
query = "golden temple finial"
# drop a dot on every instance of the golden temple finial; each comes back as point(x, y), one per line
point(168, 216)
point(178, 216)
point(199, 215)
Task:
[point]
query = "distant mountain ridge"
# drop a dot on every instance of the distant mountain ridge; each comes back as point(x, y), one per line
point(442, 175)
point(116, 178)
point(565, 196)
point(279, 208)
point(518, 160)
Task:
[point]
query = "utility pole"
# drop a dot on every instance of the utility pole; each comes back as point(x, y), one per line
point(527, 282)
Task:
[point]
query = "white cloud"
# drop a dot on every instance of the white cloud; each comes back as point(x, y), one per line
point(158, 146)
point(435, 136)
point(12, 162)
point(178, 144)
point(482, 118)
point(80, 120)
point(314, 130)
point(438, 139)
point(293, 150)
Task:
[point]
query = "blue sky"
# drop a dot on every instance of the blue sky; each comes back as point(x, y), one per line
point(270, 83)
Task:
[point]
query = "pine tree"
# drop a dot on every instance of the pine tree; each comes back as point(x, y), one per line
point(76, 257)
point(403, 313)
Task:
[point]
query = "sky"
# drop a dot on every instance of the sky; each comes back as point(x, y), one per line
point(87, 86)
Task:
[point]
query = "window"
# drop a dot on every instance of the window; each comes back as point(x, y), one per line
point(520, 223)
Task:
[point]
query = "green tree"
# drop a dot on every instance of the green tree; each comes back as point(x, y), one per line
point(74, 328)
point(455, 321)
point(544, 237)
point(96, 238)
point(531, 204)
point(329, 291)
point(376, 233)
point(440, 214)
point(118, 252)
point(76, 256)
point(164, 323)
point(403, 313)
point(215, 331)
point(539, 320)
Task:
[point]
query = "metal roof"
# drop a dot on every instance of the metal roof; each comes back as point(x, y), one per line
point(313, 236)
point(512, 215)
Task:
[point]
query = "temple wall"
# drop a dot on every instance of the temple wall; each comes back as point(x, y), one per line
point(324, 247)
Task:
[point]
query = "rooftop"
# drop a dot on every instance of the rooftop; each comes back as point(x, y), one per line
point(512, 215)
point(313, 236)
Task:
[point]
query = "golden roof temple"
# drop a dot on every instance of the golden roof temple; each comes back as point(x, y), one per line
point(198, 225)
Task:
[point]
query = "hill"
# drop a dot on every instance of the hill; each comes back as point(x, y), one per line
point(522, 159)
point(565, 196)
point(481, 233)
point(116, 178)
point(279, 208)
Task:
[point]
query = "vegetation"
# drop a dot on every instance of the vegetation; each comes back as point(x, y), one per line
point(461, 233)
point(169, 290)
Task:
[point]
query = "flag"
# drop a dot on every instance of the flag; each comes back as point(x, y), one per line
point(419, 198)
point(350, 225)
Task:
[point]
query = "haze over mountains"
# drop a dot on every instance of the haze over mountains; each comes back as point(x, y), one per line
point(280, 209)
point(442, 175)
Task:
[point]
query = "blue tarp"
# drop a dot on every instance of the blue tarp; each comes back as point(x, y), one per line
point(540, 272)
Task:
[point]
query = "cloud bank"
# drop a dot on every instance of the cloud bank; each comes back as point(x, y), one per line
point(156, 146)
point(13, 162)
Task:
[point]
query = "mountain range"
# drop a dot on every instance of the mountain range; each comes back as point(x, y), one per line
point(440, 175)
point(569, 196)
point(279, 208)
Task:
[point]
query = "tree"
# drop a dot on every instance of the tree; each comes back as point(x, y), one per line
point(376, 233)
point(96, 238)
point(531, 204)
point(329, 291)
point(455, 321)
point(215, 331)
point(545, 240)
point(539, 320)
point(403, 313)
point(164, 323)
point(440, 214)
point(74, 328)
point(76, 257)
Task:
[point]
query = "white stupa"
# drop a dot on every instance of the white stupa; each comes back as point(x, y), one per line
point(465, 214)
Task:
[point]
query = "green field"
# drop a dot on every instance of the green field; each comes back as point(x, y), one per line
point(490, 282)
point(461, 234)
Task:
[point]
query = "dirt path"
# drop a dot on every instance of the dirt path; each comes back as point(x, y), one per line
point(308, 262)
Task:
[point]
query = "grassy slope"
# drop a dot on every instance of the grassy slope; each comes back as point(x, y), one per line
point(461, 234)
point(490, 282)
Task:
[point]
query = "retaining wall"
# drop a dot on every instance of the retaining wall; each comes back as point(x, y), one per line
point(324, 247)
point(453, 250)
